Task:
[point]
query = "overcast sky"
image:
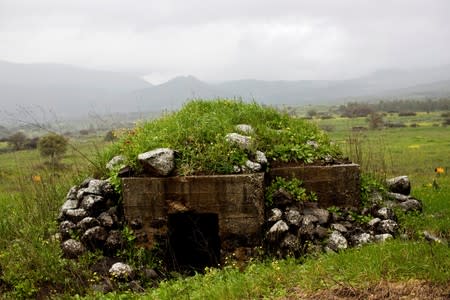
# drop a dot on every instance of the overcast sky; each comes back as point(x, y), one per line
point(229, 39)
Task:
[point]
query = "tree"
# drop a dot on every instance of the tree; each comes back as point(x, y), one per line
point(17, 141)
point(375, 120)
point(311, 113)
point(52, 146)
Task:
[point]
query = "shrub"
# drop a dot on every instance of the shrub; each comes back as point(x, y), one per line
point(52, 146)
point(407, 114)
point(17, 141)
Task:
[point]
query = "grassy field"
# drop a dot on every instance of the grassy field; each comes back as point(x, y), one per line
point(31, 194)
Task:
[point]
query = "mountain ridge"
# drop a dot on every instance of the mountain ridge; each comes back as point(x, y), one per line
point(74, 91)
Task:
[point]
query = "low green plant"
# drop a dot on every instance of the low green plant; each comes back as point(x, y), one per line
point(369, 185)
point(293, 186)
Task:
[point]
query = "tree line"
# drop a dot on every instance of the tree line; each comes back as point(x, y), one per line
point(363, 109)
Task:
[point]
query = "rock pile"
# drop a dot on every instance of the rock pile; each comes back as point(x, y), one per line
point(295, 228)
point(90, 219)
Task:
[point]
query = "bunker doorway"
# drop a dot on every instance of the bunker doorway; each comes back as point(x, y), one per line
point(193, 241)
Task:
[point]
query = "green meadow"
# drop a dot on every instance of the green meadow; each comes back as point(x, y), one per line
point(31, 192)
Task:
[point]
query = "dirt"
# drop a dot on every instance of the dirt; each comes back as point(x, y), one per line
point(409, 290)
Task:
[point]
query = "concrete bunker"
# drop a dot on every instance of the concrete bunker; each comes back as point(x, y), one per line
point(199, 220)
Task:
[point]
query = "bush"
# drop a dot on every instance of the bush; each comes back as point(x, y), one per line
point(17, 141)
point(407, 114)
point(52, 146)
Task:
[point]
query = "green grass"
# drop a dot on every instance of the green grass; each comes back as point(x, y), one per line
point(31, 194)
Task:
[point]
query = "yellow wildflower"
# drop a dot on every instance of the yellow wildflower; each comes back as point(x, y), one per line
point(439, 170)
point(36, 178)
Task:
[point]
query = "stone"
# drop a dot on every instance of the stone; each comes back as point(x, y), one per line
point(106, 220)
point(382, 237)
point(72, 248)
point(309, 219)
point(275, 215)
point(400, 185)
point(261, 158)
point(293, 217)
point(337, 241)
point(76, 215)
point(411, 205)
point(243, 141)
point(320, 232)
point(312, 144)
point(160, 162)
point(87, 223)
point(374, 222)
point(362, 238)
point(117, 161)
point(93, 203)
point(66, 228)
point(85, 183)
point(121, 270)
point(431, 238)
point(339, 227)
point(114, 241)
point(397, 197)
point(291, 242)
point(322, 215)
point(94, 237)
point(69, 204)
point(282, 198)
point(99, 187)
point(150, 274)
point(253, 166)
point(385, 213)
point(244, 128)
point(72, 193)
point(278, 228)
point(387, 226)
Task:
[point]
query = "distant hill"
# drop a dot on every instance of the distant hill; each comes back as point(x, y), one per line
point(72, 92)
point(63, 89)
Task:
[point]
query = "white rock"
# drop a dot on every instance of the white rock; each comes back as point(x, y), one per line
point(383, 237)
point(337, 241)
point(253, 166)
point(276, 215)
point(245, 128)
point(260, 158)
point(161, 160)
point(242, 141)
point(121, 270)
point(118, 160)
point(294, 217)
point(279, 227)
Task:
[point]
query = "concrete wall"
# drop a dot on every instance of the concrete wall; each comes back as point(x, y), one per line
point(238, 200)
point(336, 185)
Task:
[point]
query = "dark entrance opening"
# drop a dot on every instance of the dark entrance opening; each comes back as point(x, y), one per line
point(193, 241)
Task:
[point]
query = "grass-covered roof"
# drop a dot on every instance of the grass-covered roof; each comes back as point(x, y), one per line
point(197, 132)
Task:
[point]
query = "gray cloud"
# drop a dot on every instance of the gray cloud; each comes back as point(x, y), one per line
point(217, 40)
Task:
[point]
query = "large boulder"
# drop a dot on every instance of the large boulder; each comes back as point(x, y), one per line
point(400, 184)
point(159, 162)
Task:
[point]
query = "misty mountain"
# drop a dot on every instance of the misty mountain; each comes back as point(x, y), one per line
point(72, 92)
point(62, 89)
point(432, 82)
